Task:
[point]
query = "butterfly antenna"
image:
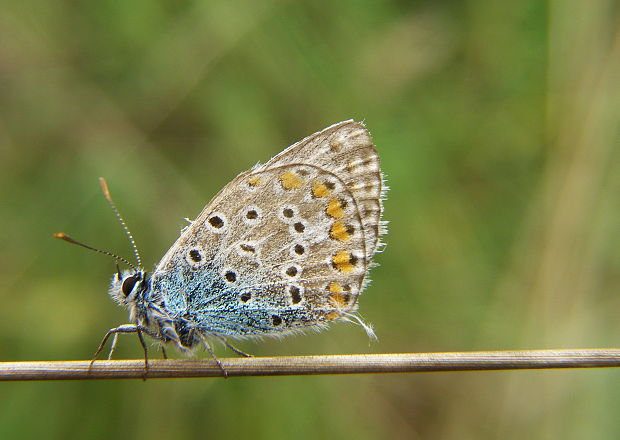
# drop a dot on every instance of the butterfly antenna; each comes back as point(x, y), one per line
point(65, 237)
point(108, 197)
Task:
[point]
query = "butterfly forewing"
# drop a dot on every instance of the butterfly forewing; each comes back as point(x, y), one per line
point(285, 245)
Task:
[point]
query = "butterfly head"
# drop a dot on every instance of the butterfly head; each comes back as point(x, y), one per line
point(127, 287)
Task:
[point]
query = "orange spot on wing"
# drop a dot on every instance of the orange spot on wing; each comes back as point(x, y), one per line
point(344, 261)
point(254, 181)
point(341, 232)
point(340, 295)
point(332, 315)
point(339, 300)
point(335, 287)
point(335, 208)
point(290, 180)
point(320, 190)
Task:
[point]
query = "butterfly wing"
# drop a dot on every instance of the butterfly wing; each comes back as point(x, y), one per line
point(285, 245)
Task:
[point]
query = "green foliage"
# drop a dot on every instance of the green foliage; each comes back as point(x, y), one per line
point(497, 124)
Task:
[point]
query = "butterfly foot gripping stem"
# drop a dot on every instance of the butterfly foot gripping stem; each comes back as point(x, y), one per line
point(126, 328)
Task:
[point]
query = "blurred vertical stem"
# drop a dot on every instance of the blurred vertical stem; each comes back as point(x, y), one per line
point(558, 259)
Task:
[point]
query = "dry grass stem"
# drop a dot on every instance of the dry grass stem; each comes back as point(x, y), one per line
point(311, 365)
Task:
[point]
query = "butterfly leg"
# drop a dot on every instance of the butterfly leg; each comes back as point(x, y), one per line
point(232, 347)
point(146, 351)
point(113, 346)
point(207, 346)
point(126, 328)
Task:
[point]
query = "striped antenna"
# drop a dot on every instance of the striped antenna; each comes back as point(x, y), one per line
point(65, 237)
point(108, 197)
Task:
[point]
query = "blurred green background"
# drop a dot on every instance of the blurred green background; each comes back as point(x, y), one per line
point(497, 124)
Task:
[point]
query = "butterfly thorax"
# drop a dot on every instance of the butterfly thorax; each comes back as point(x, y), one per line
point(147, 309)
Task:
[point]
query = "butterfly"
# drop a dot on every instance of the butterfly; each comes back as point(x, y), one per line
point(285, 246)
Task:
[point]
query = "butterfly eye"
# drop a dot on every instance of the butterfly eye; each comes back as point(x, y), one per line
point(129, 284)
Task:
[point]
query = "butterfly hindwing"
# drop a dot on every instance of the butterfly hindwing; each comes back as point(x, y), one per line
point(285, 245)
